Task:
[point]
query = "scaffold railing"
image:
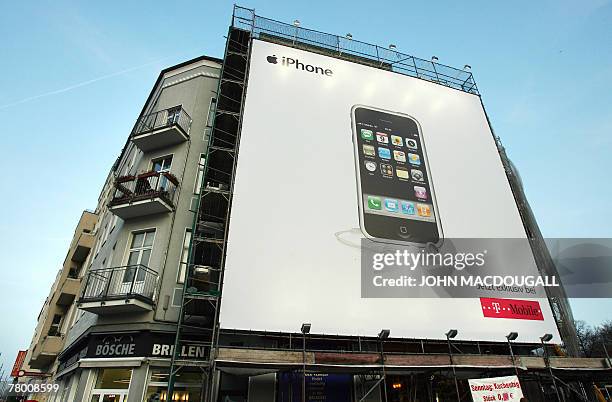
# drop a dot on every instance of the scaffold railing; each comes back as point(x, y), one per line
point(354, 50)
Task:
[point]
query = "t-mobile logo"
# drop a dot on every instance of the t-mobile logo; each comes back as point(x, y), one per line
point(511, 308)
point(289, 62)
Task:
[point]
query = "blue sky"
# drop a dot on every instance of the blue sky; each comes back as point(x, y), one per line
point(74, 76)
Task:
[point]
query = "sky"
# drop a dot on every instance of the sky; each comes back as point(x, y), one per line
point(74, 76)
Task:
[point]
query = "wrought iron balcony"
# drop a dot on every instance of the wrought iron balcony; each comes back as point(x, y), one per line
point(119, 290)
point(162, 129)
point(144, 194)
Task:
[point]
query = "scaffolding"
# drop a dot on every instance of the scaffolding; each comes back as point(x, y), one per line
point(347, 48)
point(199, 312)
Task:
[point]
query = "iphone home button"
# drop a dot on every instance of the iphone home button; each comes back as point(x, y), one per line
point(403, 232)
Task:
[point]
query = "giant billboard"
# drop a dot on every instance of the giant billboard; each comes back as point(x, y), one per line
point(335, 153)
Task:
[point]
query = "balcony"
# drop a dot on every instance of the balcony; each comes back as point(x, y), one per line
point(81, 249)
point(128, 289)
point(46, 351)
point(162, 129)
point(67, 291)
point(144, 194)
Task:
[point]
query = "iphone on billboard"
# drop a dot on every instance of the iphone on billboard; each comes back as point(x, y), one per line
point(396, 199)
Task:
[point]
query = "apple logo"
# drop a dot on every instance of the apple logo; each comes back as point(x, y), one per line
point(272, 59)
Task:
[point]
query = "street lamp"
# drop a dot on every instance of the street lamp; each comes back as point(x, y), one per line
point(382, 336)
point(547, 338)
point(305, 330)
point(511, 337)
point(450, 335)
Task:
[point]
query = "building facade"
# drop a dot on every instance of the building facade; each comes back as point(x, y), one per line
point(118, 347)
point(59, 311)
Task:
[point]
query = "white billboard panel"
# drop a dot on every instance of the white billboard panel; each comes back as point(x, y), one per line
point(319, 138)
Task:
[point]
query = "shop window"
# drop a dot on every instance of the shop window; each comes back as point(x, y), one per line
point(112, 385)
point(235, 388)
point(187, 386)
point(114, 378)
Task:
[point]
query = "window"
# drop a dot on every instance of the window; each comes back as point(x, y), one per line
point(127, 165)
point(67, 382)
point(104, 235)
point(162, 164)
point(200, 174)
point(211, 112)
point(177, 297)
point(128, 168)
point(113, 223)
point(112, 385)
point(74, 315)
point(98, 243)
point(54, 329)
point(188, 386)
point(110, 257)
point(139, 254)
point(173, 115)
point(114, 378)
point(73, 273)
point(184, 256)
point(193, 203)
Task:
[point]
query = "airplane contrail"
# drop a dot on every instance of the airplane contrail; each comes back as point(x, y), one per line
point(81, 84)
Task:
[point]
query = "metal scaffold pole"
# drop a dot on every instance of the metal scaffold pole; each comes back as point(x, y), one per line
point(199, 313)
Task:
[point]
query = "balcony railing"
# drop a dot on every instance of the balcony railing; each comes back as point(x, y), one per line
point(162, 128)
point(144, 194)
point(164, 118)
point(128, 282)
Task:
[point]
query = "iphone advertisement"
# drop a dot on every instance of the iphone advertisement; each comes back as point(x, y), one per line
point(333, 153)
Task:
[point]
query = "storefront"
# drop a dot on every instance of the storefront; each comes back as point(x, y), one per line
point(126, 367)
point(134, 367)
